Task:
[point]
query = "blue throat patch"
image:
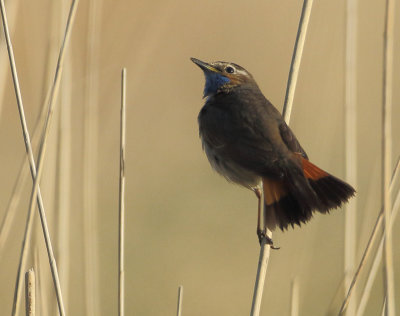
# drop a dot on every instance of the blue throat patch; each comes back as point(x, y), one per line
point(213, 82)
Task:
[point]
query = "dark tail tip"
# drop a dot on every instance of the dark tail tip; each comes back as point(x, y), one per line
point(332, 192)
point(308, 192)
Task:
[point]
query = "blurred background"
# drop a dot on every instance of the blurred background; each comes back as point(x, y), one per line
point(185, 225)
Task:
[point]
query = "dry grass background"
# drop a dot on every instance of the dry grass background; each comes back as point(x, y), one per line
point(185, 224)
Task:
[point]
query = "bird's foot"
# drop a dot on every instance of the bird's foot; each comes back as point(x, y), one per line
point(262, 234)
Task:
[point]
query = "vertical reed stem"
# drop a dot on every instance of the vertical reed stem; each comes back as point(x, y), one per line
point(383, 312)
point(30, 296)
point(296, 59)
point(13, 9)
point(294, 299)
point(180, 300)
point(387, 152)
point(286, 112)
point(121, 292)
point(260, 279)
point(64, 177)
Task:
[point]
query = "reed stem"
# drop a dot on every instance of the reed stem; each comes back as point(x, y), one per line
point(371, 241)
point(387, 153)
point(36, 173)
point(286, 113)
point(121, 244)
point(180, 300)
point(294, 298)
point(30, 296)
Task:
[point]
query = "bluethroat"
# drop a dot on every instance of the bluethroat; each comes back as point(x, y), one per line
point(247, 141)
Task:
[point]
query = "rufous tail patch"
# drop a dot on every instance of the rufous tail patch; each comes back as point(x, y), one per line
point(274, 190)
point(311, 171)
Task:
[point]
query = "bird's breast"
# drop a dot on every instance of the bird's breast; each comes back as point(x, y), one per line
point(226, 167)
point(217, 133)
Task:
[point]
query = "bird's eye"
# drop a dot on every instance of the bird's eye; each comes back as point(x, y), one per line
point(230, 70)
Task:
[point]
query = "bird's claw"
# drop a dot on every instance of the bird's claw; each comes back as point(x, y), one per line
point(262, 235)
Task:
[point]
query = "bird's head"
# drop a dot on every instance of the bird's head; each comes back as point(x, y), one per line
point(222, 76)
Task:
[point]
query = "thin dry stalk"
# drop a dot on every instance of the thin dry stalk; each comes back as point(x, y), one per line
point(121, 244)
point(296, 59)
point(394, 175)
point(63, 168)
point(350, 143)
point(22, 176)
point(11, 209)
point(63, 187)
point(30, 295)
point(286, 112)
point(29, 221)
point(180, 300)
point(377, 260)
point(36, 173)
point(12, 9)
point(387, 153)
point(371, 241)
point(383, 307)
point(260, 279)
point(370, 281)
point(335, 298)
point(294, 301)
point(361, 265)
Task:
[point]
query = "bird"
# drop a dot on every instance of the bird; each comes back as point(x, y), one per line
point(246, 140)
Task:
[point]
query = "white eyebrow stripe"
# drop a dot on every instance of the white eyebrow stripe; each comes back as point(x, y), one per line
point(242, 72)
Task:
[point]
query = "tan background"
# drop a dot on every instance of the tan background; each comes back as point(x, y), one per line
point(185, 224)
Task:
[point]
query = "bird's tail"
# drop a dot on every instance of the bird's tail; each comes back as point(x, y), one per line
point(293, 200)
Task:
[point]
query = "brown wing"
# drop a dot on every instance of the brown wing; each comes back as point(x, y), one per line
point(239, 139)
point(290, 140)
point(247, 129)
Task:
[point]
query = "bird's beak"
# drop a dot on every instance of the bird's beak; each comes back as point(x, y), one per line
point(204, 66)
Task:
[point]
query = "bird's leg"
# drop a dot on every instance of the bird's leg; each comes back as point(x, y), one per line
point(262, 233)
point(257, 191)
